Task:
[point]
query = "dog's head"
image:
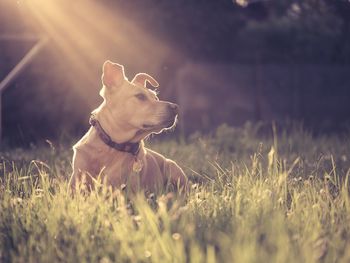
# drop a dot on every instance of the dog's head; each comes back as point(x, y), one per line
point(130, 110)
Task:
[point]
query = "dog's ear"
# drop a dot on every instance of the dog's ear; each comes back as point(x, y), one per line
point(143, 78)
point(113, 74)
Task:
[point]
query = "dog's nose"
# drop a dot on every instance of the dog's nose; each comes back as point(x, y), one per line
point(174, 107)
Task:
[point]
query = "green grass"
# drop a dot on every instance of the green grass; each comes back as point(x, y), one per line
point(282, 198)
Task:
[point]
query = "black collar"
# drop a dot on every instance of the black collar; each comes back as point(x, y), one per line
point(128, 147)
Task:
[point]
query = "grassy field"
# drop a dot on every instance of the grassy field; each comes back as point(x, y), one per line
point(281, 198)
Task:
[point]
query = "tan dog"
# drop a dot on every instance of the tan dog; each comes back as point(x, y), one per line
point(113, 146)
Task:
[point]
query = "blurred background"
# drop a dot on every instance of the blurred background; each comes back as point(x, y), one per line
point(223, 61)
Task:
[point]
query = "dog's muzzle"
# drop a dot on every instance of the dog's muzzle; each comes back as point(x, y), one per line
point(168, 120)
point(173, 110)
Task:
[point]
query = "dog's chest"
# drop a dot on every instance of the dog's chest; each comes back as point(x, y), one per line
point(134, 179)
point(120, 171)
point(115, 168)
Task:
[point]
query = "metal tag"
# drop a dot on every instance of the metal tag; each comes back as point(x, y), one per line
point(137, 166)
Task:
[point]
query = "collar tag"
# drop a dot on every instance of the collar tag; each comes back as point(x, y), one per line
point(137, 166)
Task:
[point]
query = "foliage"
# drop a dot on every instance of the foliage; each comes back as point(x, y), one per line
point(300, 32)
point(282, 198)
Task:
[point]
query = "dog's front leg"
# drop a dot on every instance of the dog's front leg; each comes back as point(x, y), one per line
point(80, 175)
point(176, 175)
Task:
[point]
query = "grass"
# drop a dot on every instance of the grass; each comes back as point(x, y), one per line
point(281, 198)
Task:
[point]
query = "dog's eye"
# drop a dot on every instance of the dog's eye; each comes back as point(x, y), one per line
point(141, 96)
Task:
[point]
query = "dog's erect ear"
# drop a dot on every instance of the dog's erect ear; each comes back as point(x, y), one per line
point(143, 78)
point(113, 74)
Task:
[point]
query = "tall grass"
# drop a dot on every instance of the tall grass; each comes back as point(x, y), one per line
point(283, 198)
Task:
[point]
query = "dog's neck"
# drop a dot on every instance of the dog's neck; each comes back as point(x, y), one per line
point(128, 147)
point(97, 145)
point(118, 132)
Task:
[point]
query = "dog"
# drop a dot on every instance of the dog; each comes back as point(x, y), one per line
point(113, 147)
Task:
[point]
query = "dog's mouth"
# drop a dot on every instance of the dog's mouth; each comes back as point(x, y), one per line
point(166, 124)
